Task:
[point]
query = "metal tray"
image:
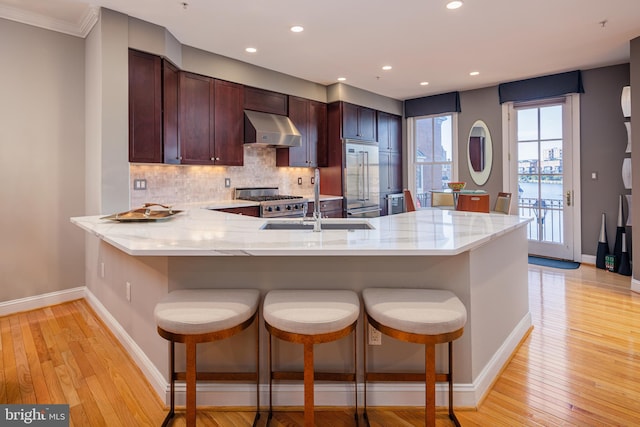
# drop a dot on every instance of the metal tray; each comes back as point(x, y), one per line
point(144, 214)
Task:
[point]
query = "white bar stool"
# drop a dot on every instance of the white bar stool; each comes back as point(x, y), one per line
point(193, 316)
point(422, 316)
point(311, 317)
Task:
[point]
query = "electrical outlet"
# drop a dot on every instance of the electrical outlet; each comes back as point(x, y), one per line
point(313, 180)
point(227, 182)
point(102, 270)
point(128, 291)
point(299, 180)
point(139, 184)
point(375, 336)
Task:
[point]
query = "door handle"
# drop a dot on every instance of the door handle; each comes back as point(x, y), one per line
point(569, 198)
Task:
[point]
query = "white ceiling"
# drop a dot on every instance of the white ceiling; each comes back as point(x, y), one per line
point(504, 40)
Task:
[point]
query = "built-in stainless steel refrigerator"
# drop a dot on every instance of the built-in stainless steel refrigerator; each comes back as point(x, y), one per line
point(361, 178)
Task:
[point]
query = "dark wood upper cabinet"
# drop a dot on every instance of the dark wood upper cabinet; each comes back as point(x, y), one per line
point(170, 96)
point(318, 130)
point(211, 121)
point(389, 132)
point(358, 122)
point(229, 124)
point(145, 107)
point(196, 129)
point(310, 117)
point(390, 154)
point(265, 101)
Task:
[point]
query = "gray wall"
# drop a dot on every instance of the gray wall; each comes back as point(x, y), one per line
point(481, 104)
point(221, 67)
point(602, 146)
point(603, 142)
point(107, 100)
point(41, 161)
point(634, 72)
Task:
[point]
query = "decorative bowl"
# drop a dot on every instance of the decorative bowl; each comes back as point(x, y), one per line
point(456, 186)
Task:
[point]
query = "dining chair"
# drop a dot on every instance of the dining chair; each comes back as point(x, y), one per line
point(503, 203)
point(441, 199)
point(408, 200)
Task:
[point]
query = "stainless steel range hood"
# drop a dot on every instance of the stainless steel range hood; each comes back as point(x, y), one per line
point(270, 129)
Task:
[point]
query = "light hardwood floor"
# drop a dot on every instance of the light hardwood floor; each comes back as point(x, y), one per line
point(579, 366)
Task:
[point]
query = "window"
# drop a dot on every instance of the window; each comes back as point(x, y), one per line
point(432, 164)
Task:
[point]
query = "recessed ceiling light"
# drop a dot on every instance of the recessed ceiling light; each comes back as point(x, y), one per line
point(251, 50)
point(341, 79)
point(454, 4)
point(297, 29)
point(387, 67)
point(424, 83)
point(474, 73)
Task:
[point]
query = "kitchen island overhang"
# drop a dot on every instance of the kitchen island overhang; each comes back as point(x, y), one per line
point(480, 257)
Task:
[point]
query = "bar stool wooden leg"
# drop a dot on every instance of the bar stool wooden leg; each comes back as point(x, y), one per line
point(308, 386)
point(191, 383)
point(355, 375)
point(172, 382)
point(257, 416)
point(364, 366)
point(270, 363)
point(430, 392)
point(452, 414)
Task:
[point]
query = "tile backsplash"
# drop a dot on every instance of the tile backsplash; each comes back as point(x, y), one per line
point(177, 184)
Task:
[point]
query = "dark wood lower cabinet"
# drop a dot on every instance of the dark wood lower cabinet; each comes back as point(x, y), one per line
point(328, 208)
point(249, 210)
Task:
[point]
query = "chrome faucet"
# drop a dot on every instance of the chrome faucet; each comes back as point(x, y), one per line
point(316, 201)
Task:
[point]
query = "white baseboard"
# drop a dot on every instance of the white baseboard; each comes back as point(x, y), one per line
point(588, 259)
point(491, 370)
point(635, 285)
point(151, 373)
point(41, 301)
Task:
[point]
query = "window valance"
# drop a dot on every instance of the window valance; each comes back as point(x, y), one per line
point(541, 87)
point(436, 104)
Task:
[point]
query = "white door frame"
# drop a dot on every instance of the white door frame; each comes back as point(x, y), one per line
point(510, 165)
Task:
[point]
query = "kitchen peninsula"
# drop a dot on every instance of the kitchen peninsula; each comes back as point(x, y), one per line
point(480, 257)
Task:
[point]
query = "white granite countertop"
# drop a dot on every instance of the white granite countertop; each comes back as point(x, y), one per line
point(202, 232)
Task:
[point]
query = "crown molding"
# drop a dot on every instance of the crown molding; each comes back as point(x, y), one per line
point(77, 29)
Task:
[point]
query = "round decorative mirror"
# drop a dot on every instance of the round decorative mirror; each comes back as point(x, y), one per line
point(479, 152)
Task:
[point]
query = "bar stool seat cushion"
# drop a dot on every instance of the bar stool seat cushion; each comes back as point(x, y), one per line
point(311, 312)
point(201, 311)
point(418, 311)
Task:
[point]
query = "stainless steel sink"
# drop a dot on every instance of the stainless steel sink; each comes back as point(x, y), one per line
point(326, 225)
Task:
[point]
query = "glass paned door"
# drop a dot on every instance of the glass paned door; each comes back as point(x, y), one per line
point(544, 190)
